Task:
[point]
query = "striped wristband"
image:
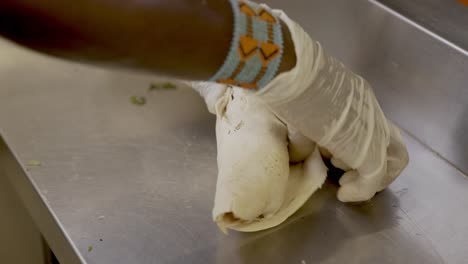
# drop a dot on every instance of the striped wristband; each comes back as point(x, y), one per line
point(257, 47)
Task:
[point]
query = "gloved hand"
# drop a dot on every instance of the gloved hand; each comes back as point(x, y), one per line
point(260, 132)
point(332, 106)
point(257, 187)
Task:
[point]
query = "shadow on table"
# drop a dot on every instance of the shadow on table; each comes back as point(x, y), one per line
point(328, 231)
point(319, 229)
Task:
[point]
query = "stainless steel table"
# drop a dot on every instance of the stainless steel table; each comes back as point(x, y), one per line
point(122, 183)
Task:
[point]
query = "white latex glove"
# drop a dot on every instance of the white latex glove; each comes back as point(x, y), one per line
point(257, 188)
point(329, 104)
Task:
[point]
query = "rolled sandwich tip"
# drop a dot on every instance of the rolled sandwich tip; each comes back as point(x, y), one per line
point(223, 228)
point(304, 180)
point(253, 161)
point(229, 220)
point(256, 187)
point(226, 221)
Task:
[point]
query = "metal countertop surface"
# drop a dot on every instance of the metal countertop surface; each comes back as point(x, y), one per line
point(136, 183)
point(446, 18)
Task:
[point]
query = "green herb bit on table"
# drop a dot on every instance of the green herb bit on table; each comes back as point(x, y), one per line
point(162, 86)
point(138, 100)
point(34, 163)
point(90, 248)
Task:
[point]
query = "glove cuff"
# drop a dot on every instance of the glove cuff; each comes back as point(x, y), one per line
point(289, 85)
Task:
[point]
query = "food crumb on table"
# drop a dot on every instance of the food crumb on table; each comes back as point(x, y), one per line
point(34, 163)
point(138, 100)
point(162, 86)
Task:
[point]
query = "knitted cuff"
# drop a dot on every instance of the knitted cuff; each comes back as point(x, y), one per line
point(257, 47)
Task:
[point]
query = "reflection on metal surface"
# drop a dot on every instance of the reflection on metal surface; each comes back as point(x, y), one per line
point(136, 183)
point(446, 18)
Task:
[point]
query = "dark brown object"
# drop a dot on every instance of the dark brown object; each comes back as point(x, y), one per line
point(186, 39)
